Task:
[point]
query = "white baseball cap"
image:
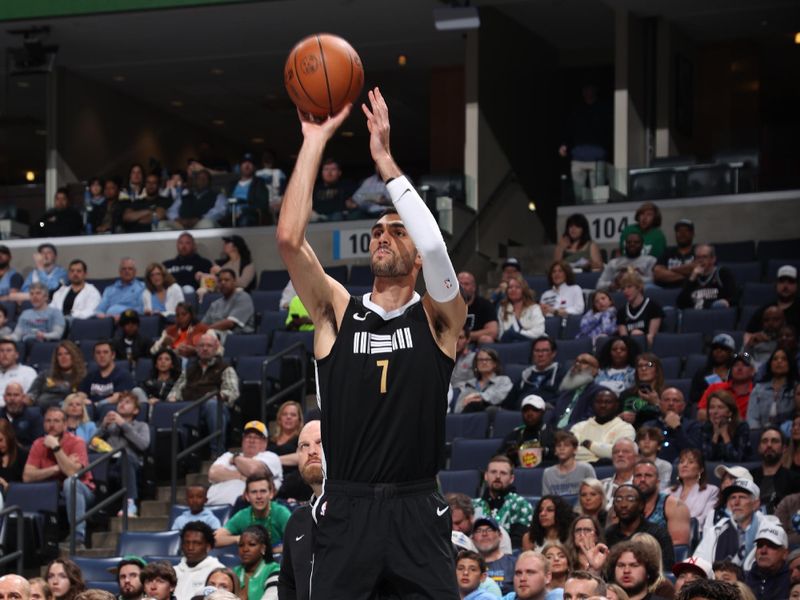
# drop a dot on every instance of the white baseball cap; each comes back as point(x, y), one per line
point(735, 472)
point(772, 531)
point(742, 485)
point(787, 271)
point(533, 400)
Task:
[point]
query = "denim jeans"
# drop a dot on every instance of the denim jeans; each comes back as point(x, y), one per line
point(83, 497)
point(209, 418)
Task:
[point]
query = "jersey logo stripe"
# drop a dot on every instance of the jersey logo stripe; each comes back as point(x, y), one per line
point(365, 342)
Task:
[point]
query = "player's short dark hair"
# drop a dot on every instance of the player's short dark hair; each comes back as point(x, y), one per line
point(78, 261)
point(391, 210)
point(566, 436)
point(265, 475)
point(160, 568)
point(202, 528)
point(545, 338)
point(600, 585)
point(470, 555)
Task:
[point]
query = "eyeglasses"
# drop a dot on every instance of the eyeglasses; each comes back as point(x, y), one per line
point(584, 530)
point(743, 356)
point(484, 360)
point(646, 365)
point(621, 499)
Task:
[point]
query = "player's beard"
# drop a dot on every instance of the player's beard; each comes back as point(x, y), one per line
point(397, 266)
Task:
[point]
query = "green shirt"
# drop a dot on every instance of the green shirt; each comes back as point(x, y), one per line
point(296, 308)
point(515, 510)
point(654, 242)
point(275, 523)
point(258, 581)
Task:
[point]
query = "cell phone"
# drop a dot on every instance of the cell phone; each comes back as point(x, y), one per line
point(645, 387)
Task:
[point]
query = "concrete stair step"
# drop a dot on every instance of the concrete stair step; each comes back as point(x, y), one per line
point(105, 539)
point(154, 508)
point(88, 553)
point(197, 479)
point(140, 524)
point(163, 493)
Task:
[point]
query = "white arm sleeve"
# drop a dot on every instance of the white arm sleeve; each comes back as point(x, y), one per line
point(437, 270)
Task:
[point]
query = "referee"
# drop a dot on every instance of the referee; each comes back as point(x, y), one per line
point(383, 366)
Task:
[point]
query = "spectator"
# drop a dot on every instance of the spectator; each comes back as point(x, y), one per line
point(583, 584)
point(12, 457)
point(66, 372)
point(223, 579)
point(263, 510)
point(501, 502)
point(564, 479)
point(26, 420)
point(61, 220)
point(248, 198)
point(601, 319)
point(10, 281)
point(64, 578)
point(129, 570)
point(258, 572)
point(500, 566)
point(715, 590)
point(101, 217)
point(298, 317)
point(124, 293)
point(209, 373)
point(234, 311)
point(596, 435)
point(650, 440)
point(181, 336)
point(197, 541)
point(677, 263)
point(274, 178)
point(791, 458)
point(510, 268)
point(488, 387)
point(159, 580)
point(641, 401)
point(196, 500)
point(617, 360)
point(145, 211)
point(45, 271)
point(739, 384)
point(762, 344)
point(371, 197)
point(121, 429)
point(461, 512)
point(717, 368)
point(135, 187)
point(648, 225)
point(5, 330)
point(772, 400)
point(200, 208)
point(576, 247)
point(679, 432)
point(104, 383)
point(628, 507)
point(558, 555)
point(786, 510)
point(692, 487)
point(551, 521)
point(633, 260)
point(39, 589)
point(729, 571)
point(585, 544)
point(794, 567)
point(78, 421)
point(661, 587)
point(787, 340)
point(465, 358)
point(128, 342)
point(591, 500)
point(774, 480)
point(532, 442)
point(481, 316)
point(577, 391)
point(519, 318)
point(11, 370)
point(544, 377)
point(725, 437)
point(624, 454)
point(163, 376)
point(769, 576)
point(786, 300)
point(708, 285)
point(236, 257)
point(79, 299)
point(40, 322)
point(332, 198)
point(161, 294)
point(229, 472)
point(634, 568)
point(187, 264)
point(470, 574)
point(660, 508)
point(564, 297)
point(642, 315)
point(531, 577)
point(56, 456)
point(283, 442)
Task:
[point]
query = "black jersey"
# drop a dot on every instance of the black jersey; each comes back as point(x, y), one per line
point(383, 394)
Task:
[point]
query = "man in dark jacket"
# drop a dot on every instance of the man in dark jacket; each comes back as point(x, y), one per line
point(578, 390)
point(769, 577)
point(61, 220)
point(26, 420)
point(533, 434)
point(187, 263)
point(775, 480)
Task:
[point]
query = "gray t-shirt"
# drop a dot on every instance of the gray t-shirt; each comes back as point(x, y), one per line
point(238, 308)
point(565, 484)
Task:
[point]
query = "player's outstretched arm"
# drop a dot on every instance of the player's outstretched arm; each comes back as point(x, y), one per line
point(323, 296)
point(443, 297)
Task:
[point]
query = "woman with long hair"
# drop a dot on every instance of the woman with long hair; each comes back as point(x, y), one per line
point(592, 499)
point(161, 294)
point(661, 587)
point(182, 336)
point(600, 319)
point(551, 520)
point(258, 573)
point(617, 358)
point(640, 401)
point(487, 387)
point(134, 188)
point(576, 246)
point(560, 563)
point(288, 423)
point(692, 487)
point(772, 400)
point(725, 437)
point(642, 315)
point(224, 578)
point(586, 544)
point(67, 370)
point(518, 316)
point(12, 456)
point(564, 297)
point(235, 256)
point(64, 578)
point(78, 420)
point(163, 376)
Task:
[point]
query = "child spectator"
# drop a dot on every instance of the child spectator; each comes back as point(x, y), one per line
point(600, 319)
point(649, 440)
point(196, 497)
point(564, 479)
point(471, 573)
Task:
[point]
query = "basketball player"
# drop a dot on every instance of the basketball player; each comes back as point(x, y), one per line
point(384, 361)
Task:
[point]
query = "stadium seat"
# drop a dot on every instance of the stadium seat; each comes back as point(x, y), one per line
point(694, 362)
point(677, 344)
point(161, 416)
point(469, 426)
point(587, 280)
point(97, 569)
point(361, 275)
point(538, 283)
point(669, 324)
point(148, 542)
point(514, 352)
point(769, 249)
point(684, 385)
point(571, 327)
point(284, 339)
point(272, 321)
point(528, 481)
point(102, 284)
point(171, 559)
point(671, 366)
point(144, 366)
point(266, 300)
point(11, 310)
point(604, 471)
point(514, 372)
point(570, 349)
point(87, 349)
point(745, 314)
point(228, 559)
point(460, 482)
point(150, 326)
point(681, 552)
point(729, 252)
point(338, 272)
point(36, 497)
point(94, 329)
point(664, 296)
point(705, 180)
point(758, 294)
point(273, 280)
point(744, 272)
point(552, 326)
point(505, 421)
point(706, 321)
point(651, 185)
point(571, 499)
point(40, 354)
point(249, 368)
point(472, 454)
point(251, 344)
point(221, 511)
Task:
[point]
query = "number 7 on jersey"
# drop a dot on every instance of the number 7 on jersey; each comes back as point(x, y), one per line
point(384, 366)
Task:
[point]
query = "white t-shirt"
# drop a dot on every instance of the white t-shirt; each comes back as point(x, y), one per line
point(226, 492)
point(22, 374)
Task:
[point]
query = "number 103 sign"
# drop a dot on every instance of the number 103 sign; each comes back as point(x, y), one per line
point(351, 243)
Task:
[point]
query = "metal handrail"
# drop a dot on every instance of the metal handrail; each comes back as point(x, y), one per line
point(268, 401)
point(19, 553)
point(120, 493)
point(174, 454)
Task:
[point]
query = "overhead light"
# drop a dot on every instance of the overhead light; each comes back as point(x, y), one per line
point(456, 18)
point(30, 176)
point(118, 78)
point(218, 122)
point(532, 206)
point(797, 38)
point(177, 103)
point(402, 60)
point(216, 71)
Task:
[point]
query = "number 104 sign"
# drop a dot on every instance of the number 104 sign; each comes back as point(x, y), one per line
point(351, 243)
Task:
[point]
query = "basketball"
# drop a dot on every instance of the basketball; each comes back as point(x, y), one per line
point(322, 74)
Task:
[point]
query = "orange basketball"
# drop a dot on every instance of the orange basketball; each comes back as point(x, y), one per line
point(322, 74)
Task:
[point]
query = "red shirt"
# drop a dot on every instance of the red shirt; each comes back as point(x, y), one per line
point(742, 400)
point(42, 457)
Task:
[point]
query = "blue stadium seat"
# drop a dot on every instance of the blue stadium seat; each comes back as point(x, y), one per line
point(97, 569)
point(11, 310)
point(778, 249)
point(744, 272)
point(572, 499)
point(207, 300)
point(745, 314)
point(144, 366)
point(572, 327)
point(228, 559)
point(40, 354)
point(469, 426)
point(94, 329)
point(664, 296)
point(150, 326)
point(171, 559)
point(103, 283)
point(36, 497)
point(671, 366)
point(161, 415)
point(361, 275)
point(284, 339)
point(460, 482)
point(677, 344)
point(251, 344)
point(266, 300)
point(273, 280)
point(148, 542)
point(681, 552)
point(529, 481)
point(694, 362)
point(272, 321)
point(513, 352)
point(684, 385)
point(735, 251)
point(472, 454)
point(706, 321)
point(669, 324)
point(249, 368)
point(587, 280)
point(505, 421)
point(758, 294)
point(514, 372)
point(604, 471)
point(338, 272)
point(552, 326)
point(87, 349)
point(570, 349)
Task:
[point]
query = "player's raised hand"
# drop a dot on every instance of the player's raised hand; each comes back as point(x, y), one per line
point(378, 124)
point(323, 130)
